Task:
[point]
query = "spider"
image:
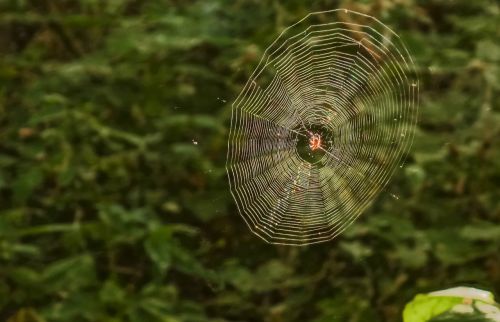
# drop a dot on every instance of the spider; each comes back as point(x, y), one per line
point(315, 142)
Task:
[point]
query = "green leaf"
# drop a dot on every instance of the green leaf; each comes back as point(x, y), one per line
point(484, 231)
point(488, 50)
point(27, 182)
point(112, 293)
point(70, 273)
point(466, 303)
point(423, 307)
point(158, 246)
point(356, 249)
point(25, 276)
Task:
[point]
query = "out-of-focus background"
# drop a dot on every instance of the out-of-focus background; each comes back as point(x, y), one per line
point(114, 203)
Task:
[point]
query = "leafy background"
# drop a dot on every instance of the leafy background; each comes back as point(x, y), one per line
point(113, 196)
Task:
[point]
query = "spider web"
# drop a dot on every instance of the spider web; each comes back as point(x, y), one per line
point(340, 76)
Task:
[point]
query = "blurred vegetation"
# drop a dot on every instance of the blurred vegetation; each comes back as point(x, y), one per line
point(114, 205)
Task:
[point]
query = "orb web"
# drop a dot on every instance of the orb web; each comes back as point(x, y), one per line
point(321, 125)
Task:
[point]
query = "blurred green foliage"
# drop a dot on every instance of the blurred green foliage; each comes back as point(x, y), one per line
point(113, 197)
